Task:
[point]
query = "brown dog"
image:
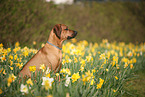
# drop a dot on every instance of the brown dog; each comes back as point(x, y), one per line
point(50, 54)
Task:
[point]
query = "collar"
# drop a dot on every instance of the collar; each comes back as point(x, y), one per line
point(54, 45)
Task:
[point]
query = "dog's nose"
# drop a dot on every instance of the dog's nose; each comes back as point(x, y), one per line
point(75, 32)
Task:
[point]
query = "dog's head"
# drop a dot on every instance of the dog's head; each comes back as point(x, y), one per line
point(63, 32)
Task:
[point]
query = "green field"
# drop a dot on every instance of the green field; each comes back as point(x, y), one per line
point(89, 70)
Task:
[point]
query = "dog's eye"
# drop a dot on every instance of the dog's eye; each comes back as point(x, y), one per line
point(66, 29)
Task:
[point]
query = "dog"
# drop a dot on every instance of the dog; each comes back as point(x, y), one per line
point(51, 54)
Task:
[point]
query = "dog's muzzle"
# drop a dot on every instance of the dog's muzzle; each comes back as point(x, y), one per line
point(73, 35)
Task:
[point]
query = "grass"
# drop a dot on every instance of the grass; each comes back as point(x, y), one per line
point(135, 87)
point(88, 69)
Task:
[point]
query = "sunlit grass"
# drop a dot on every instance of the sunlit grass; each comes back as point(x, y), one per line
point(88, 70)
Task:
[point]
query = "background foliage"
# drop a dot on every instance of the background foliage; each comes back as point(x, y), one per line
point(32, 20)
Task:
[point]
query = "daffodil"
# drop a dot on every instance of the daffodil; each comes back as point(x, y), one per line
point(102, 56)
point(83, 62)
point(84, 79)
point(10, 57)
point(105, 41)
point(1, 91)
point(47, 71)
point(32, 68)
point(26, 53)
point(75, 60)
point(116, 77)
point(125, 65)
point(47, 82)
point(4, 72)
point(93, 70)
point(75, 77)
point(19, 65)
point(15, 57)
point(11, 79)
point(1, 45)
point(81, 68)
point(42, 45)
point(131, 66)
point(68, 71)
point(134, 60)
point(125, 60)
point(24, 89)
point(16, 49)
point(130, 54)
point(42, 67)
point(17, 44)
point(29, 82)
point(99, 85)
point(74, 40)
point(34, 42)
point(63, 70)
point(67, 81)
point(63, 62)
point(57, 74)
point(49, 95)
point(1, 69)
point(92, 82)
point(89, 75)
point(107, 70)
point(11, 68)
point(89, 58)
point(114, 90)
point(85, 43)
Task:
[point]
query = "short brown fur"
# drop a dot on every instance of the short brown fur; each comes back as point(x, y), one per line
point(50, 55)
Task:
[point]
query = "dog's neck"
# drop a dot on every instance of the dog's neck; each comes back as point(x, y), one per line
point(53, 39)
point(54, 45)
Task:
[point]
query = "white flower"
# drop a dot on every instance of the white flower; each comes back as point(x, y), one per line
point(47, 82)
point(47, 71)
point(48, 0)
point(24, 89)
point(141, 53)
point(130, 54)
point(63, 2)
point(67, 81)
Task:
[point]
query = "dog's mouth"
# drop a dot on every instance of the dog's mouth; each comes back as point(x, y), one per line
point(74, 35)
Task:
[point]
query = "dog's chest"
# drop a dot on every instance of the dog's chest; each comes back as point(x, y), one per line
point(55, 58)
point(60, 55)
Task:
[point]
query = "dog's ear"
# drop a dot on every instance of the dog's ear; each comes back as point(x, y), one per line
point(57, 30)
